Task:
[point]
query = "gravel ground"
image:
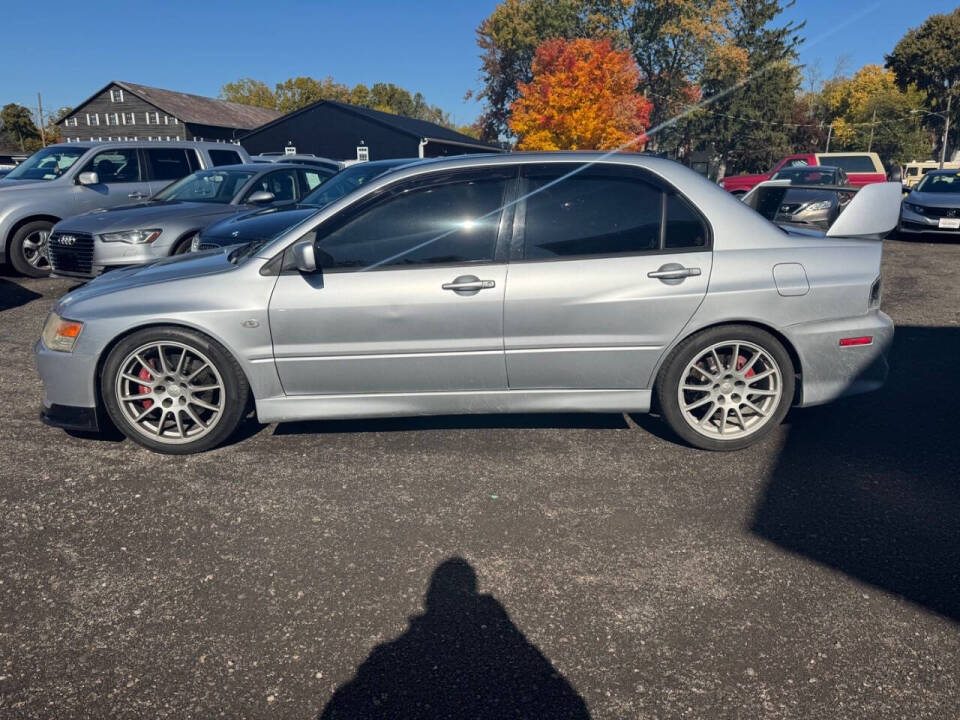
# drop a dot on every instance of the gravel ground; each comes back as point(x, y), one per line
point(327, 569)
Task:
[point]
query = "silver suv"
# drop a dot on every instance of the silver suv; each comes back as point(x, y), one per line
point(72, 178)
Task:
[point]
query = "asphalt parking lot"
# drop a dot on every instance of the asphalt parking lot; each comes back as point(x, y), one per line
point(326, 569)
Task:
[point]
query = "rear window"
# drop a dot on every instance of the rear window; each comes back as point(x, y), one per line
point(170, 163)
point(851, 163)
point(225, 157)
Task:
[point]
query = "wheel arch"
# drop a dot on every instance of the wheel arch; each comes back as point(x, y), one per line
point(26, 220)
point(108, 348)
point(183, 236)
point(776, 332)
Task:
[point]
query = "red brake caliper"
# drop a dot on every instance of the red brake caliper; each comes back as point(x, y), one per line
point(144, 374)
point(741, 361)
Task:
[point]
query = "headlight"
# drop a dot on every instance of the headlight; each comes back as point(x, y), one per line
point(821, 205)
point(132, 237)
point(60, 334)
point(914, 208)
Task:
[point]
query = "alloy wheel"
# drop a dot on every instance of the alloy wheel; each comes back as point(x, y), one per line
point(730, 390)
point(36, 249)
point(170, 392)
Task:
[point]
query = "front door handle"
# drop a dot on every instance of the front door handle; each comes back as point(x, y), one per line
point(468, 285)
point(673, 273)
point(138, 195)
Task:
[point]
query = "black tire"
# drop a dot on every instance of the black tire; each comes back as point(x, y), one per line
point(183, 245)
point(236, 390)
point(671, 375)
point(18, 253)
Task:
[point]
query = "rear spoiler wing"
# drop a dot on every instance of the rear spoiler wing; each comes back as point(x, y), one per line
point(872, 214)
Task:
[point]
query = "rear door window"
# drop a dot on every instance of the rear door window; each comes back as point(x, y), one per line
point(311, 179)
point(602, 210)
point(225, 157)
point(852, 163)
point(168, 163)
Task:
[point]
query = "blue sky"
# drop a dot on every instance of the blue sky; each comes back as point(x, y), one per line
point(67, 50)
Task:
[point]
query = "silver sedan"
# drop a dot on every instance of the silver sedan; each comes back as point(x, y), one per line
point(84, 246)
point(548, 282)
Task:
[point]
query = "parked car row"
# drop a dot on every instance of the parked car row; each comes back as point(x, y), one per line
point(64, 181)
point(814, 196)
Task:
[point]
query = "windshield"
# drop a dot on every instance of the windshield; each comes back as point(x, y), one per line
point(934, 183)
point(209, 186)
point(47, 164)
point(806, 176)
point(345, 181)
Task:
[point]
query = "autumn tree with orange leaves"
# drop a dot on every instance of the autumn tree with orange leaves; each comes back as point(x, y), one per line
point(583, 96)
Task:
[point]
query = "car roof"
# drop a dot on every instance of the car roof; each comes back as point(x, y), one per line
point(810, 168)
point(944, 171)
point(208, 145)
point(254, 167)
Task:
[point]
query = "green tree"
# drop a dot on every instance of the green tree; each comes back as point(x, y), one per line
point(869, 111)
point(508, 40)
point(756, 76)
point(248, 91)
point(928, 57)
point(16, 124)
point(295, 93)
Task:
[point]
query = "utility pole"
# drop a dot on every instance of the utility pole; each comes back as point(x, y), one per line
point(43, 134)
point(872, 124)
point(829, 135)
point(946, 126)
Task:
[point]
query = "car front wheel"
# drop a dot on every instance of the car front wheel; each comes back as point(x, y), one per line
point(28, 249)
point(174, 390)
point(725, 388)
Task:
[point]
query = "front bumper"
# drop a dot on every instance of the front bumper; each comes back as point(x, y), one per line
point(107, 256)
point(831, 371)
point(82, 419)
point(913, 222)
point(68, 382)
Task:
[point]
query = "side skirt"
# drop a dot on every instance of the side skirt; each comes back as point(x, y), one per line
point(315, 407)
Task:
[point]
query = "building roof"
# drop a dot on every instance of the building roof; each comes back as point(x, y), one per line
point(420, 129)
point(196, 109)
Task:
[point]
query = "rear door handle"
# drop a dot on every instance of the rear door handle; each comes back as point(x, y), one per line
point(468, 284)
point(673, 272)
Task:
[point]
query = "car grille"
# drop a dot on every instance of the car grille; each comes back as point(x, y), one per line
point(71, 256)
point(937, 211)
point(790, 208)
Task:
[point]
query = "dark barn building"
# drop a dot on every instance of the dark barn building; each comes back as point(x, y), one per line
point(341, 131)
point(127, 111)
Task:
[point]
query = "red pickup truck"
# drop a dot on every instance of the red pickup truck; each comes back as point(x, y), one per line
point(862, 168)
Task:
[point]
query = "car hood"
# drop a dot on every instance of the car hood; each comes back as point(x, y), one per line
point(943, 200)
point(142, 215)
point(259, 225)
point(15, 184)
point(178, 267)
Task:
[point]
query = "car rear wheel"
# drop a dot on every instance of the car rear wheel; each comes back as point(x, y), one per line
point(28, 249)
point(725, 388)
point(174, 390)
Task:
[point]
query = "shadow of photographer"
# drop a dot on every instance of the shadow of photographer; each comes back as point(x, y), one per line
point(462, 658)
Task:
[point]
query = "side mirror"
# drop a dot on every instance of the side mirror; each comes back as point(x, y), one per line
point(304, 256)
point(88, 178)
point(261, 197)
